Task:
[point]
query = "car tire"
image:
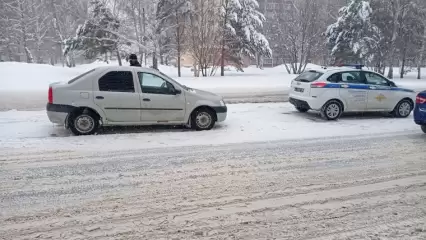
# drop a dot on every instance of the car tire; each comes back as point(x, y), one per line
point(424, 128)
point(332, 110)
point(302, 110)
point(203, 119)
point(403, 109)
point(84, 123)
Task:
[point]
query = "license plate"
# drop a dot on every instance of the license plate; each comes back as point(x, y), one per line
point(299, 90)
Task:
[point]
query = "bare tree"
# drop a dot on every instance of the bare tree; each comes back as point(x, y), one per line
point(204, 35)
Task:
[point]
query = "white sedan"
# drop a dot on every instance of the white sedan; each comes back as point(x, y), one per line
point(337, 90)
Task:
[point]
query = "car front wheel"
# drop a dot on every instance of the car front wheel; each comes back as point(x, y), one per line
point(332, 110)
point(203, 119)
point(424, 128)
point(84, 123)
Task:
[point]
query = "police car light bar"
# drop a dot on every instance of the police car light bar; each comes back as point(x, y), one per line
point(356, 66)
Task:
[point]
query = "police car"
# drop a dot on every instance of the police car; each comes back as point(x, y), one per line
point(420, 110)
point(332, 91)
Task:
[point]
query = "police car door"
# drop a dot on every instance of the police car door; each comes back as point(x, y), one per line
point(353, 90)
point(380, 94)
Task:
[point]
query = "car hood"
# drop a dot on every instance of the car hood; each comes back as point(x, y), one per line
point(204, 94)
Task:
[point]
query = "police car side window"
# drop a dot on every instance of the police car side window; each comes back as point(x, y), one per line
point(375, 79)
point(352, 77)
point(346, 77)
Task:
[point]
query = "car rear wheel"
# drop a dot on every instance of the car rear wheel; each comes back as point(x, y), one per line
point(424, 128)
point(203, 119)
point(403, 109)
point(85, 123)
point(332, 110)
point(302, 110)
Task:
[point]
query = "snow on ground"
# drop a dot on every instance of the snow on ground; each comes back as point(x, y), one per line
point(341, 188)
point(245, 123)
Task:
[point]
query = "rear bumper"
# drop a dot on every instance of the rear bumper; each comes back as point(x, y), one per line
point(420, 115)
point(299, 103)
point(305, 102)
point(58, 113)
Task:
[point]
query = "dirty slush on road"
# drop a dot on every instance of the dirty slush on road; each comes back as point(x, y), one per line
point(330, 189)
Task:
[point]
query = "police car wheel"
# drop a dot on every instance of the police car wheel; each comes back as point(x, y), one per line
point(332, 110)
point(403, 109)
point(302, 110)
point(424, 128)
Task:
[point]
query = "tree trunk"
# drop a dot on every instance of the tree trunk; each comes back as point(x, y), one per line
point(419, 72)
point(396, 12)
point(119, 58)
point(403, 61)
point(178, 59)
point(421, 54)
point(154, 61)
point(222, 59)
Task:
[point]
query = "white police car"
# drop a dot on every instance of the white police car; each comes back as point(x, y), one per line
point(344, 89)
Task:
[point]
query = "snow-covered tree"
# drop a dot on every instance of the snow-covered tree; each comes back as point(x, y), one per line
point(353, 38)
point(242, 24)
point(98, 35)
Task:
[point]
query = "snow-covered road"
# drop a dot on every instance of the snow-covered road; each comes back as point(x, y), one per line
point(334, 188)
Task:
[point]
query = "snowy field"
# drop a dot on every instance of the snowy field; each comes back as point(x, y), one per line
point(24, 86)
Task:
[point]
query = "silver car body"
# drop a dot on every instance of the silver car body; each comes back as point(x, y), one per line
point(135, 107)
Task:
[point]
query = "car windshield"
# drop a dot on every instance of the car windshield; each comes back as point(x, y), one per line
point(180, 85)
point(308, 76)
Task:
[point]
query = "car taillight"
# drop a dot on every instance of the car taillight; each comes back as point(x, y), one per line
point(50, 95)
point(318, 84)
point(420, 100)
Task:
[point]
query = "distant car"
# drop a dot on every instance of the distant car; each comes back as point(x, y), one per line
point(124, 96)
point(420, 110)
point(343, 89)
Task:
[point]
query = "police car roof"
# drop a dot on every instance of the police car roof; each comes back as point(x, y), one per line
point(333, 69)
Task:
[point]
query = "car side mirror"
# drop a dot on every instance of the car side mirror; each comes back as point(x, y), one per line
point(392, 84)
point(177, 91)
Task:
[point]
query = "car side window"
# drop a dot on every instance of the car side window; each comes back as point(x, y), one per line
point(154, 84)
point(376, 79)
point(346, 77)
point(117, 81)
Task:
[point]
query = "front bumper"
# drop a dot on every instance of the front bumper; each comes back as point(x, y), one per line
point(221, 113)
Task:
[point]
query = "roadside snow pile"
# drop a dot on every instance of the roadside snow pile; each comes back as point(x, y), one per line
point(245, 123)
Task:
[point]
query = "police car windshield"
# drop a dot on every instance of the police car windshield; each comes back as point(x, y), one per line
point(308, 76)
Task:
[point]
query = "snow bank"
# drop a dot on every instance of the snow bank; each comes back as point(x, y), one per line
point(16, 76)
point(245, 123)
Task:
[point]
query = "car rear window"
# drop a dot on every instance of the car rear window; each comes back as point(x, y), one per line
point(309, 76)
point(80, 76)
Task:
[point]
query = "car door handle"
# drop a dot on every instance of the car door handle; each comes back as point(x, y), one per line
point(99, 97)
point(373, 88)
point(146, 100)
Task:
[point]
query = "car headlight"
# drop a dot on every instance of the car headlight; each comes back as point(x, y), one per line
point(222, 103)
